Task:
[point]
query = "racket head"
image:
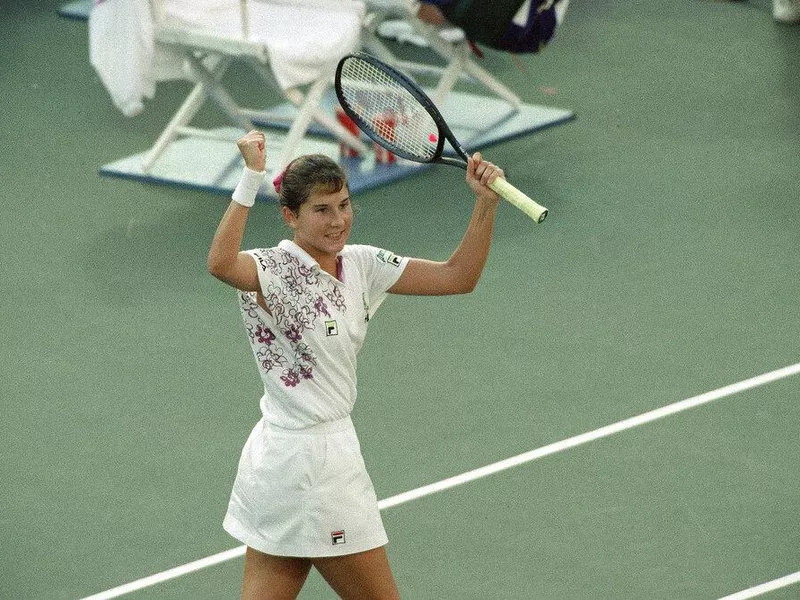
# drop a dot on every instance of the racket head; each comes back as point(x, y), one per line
point(392, 109)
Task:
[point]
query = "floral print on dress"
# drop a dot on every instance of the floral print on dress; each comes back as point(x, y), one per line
point(297, 298)
point(321, 307)
point(264, 335)
point(261, 337)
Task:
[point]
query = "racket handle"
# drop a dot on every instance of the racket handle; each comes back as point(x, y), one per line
point(519, 199)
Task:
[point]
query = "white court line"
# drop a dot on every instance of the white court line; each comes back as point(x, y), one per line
point(140, 584)
point(758, 590)
point(482, 472)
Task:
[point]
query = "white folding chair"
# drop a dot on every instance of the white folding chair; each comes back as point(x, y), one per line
point(454, 50)
point(292, 45)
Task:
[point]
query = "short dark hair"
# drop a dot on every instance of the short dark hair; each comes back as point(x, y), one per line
point(308, 174)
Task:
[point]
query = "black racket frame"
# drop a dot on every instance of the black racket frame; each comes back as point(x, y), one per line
point(413, 88)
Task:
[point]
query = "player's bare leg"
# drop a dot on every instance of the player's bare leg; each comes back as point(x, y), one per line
point(361, 576)
point(269, 577)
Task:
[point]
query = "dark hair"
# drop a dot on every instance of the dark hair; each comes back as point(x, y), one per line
point(308, 174)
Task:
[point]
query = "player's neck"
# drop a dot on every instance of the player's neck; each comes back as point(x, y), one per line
point(330, 266)
point(327, 261)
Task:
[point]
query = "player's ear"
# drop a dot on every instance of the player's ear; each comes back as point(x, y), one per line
point(289, 217)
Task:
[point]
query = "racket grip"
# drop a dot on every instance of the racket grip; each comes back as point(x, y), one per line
point(519, 199)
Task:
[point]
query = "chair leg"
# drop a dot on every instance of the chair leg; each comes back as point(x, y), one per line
point(206, 86)
point(460, 51)
point(313, 96)
point(213, 88)
point(492, 84)
point(184, 115)
point(455, 67)
point(296, 97)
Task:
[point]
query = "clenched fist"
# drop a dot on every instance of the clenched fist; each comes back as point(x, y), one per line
point(252, 145)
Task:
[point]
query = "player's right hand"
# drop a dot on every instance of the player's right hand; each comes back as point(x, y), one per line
point(252, 145)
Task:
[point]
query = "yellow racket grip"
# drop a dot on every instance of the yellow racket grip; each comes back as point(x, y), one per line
point(519, 199)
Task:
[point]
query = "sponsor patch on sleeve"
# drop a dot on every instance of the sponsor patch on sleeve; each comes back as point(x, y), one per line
point(389, 258)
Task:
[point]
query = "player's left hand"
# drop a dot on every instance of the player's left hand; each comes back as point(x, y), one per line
point(480, 173)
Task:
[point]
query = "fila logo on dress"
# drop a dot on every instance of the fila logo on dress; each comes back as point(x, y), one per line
point(337, 537)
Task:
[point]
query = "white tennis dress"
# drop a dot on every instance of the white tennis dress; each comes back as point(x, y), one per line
point(302, 488)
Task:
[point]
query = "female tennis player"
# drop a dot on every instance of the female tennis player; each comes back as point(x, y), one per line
point(302, 496)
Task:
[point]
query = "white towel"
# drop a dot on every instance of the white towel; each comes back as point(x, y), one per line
point(121, 50)
point(304, 39)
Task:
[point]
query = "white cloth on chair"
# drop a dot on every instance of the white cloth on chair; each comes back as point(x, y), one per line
point(121, 49)
point(303, 39)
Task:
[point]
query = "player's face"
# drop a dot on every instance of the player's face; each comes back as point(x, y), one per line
point(322, 225)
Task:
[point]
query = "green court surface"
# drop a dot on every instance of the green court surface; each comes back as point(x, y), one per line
point(669, 267)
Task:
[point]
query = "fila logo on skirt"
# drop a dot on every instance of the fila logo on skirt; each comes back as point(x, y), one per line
point(337, 537)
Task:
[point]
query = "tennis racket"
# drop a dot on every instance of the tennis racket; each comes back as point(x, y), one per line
point(392, 110)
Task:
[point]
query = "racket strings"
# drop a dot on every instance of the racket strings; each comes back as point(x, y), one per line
point(389, 109)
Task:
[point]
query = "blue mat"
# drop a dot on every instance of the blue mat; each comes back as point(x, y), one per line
point(477, 121)
point(215, 165)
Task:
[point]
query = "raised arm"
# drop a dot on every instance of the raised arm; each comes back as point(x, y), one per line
point(225, 261)
point(461, 272)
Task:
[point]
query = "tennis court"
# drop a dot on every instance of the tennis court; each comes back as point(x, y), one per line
point(667, 271)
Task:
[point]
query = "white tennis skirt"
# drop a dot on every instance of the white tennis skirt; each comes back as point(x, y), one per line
point(304, 493)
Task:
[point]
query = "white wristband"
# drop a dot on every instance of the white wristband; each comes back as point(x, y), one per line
point(247, 188)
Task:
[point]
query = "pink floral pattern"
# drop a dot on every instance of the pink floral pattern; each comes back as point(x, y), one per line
point(297, 298)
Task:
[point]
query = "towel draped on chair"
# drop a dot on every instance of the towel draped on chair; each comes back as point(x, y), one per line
point(302, 39)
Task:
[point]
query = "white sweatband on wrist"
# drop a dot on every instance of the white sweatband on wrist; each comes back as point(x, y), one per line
point(247, 188)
